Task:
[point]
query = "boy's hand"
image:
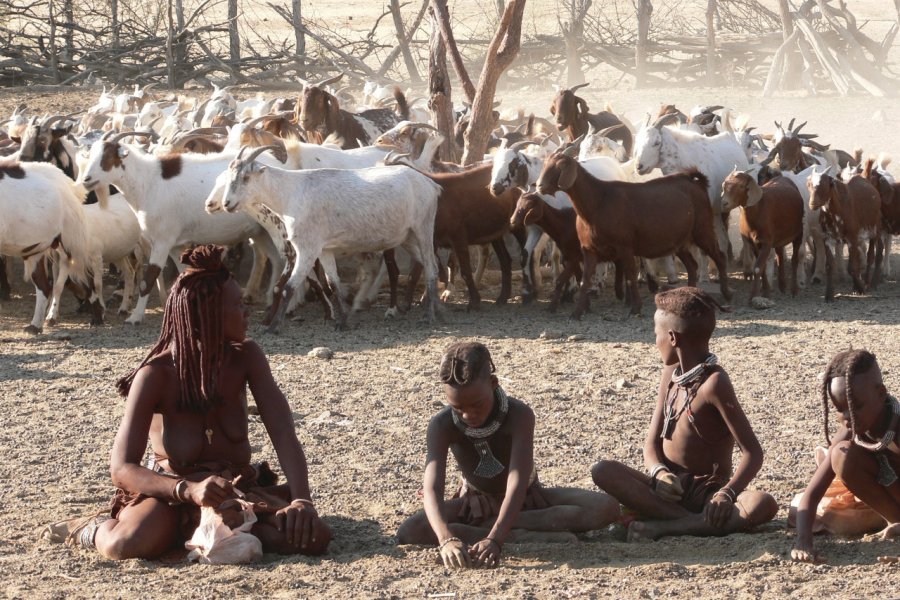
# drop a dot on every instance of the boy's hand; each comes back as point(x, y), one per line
point(668, 487)
point(718, 510)
point(485, 553)
point(455, 554)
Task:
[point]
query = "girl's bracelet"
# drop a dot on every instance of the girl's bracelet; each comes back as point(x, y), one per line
point(179, 490)
point(447, 541)
point(304, 501)
point(727, 492)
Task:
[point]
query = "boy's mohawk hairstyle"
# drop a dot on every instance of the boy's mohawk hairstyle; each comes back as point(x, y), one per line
point(688, 302)
point(464, 362)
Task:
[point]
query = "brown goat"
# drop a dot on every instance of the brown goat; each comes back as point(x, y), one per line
point(559, 224)
point(890, 197)
point(618, 221)
point(572, 117)
point(771, 218)
point(320, 116)
point(851, 213)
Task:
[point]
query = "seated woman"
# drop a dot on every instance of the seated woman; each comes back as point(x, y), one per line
point(189, 396)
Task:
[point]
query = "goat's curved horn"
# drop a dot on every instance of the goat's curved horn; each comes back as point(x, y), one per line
point(575, 88)
point(329, 81)
point(19, 109)
point(148, 87)
point(808, 136)
point(523, 144)
point(424, 126)
point(790, 126)
point(201, 110)
point(208, 131)
point(51, 120)
point(124, 134)
point(608, 130)
point(665, 120)
point(780, 128)
point(714, 107)
point(257, 151)
point(253, 122)
point(799, 127)
point(814, 145)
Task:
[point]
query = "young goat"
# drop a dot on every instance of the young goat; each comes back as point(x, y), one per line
point(336, 211)
point(772, 216)
point(572, 116)
point(851, 213)
point(618, 221)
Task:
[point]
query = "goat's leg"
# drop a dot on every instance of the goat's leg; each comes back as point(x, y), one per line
point(529, 288)
point(127, 268)
point(420, 246)
point(505, 261)
point(819, 268)
point(465, 268)
point(304, 260)
point(368, 267)
point(779, 264)
point(5, 288)
point(561, 282)
point(153, 274)
point(36, 268)
point(879, 258)
point(60, 275)
point(583, 302)
point(647, 266)
point(796, 257)
point(707, 242)
point(331, 283)
point(829, 272)
point(690, 265)
point(885, 269)
point(483, 256)
point(759, 271)
point(631, 281)
point(536, 256)
point(390, 262)
point(854, 266)
point(617, 281)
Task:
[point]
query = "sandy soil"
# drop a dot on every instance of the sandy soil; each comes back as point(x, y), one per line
point(362, 419)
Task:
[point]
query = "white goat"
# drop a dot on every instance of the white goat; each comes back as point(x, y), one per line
point(336, 211)
point(167, 195)
point(41, 215)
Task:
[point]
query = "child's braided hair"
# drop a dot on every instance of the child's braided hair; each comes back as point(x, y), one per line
point(844, 364)
point(193, 329)
point(465, 362)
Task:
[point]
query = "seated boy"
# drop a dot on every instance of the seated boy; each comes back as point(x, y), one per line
point(491, 436)
point(689, 488)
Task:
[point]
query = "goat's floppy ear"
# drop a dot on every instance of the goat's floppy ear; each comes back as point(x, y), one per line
point(581, 106)
point(567, 174)
point(332, 112)
point(754, 192)
point(553, 109)
point(522, 175)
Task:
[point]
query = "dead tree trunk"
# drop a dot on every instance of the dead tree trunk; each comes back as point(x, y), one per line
point(793, 60)
point(299, 37)
point(408, 37)
point(180, 41)
point(439, 101)
point(500, 54)
point(54, 54)
point(573, 35)
point(114, 9)
point(234, 39)
point(69, 37)
point(403, 43)
point(645, 10)
point(170, 46)
point(711, 68)
point(443, 13)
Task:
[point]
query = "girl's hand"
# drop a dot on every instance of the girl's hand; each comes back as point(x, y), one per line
point(298, 521)
point(805, 552)
point(212, 491)
point(486, 553)
point(455, 554)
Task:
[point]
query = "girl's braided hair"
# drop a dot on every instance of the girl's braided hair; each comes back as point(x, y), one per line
point(465, 362)
point(193, 329)
point(844, 364)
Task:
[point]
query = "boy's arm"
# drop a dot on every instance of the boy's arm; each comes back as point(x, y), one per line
point(722, 396)
point(653, 451)
point(803, 550)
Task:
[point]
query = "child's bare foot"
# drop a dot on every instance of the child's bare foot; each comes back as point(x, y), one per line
point(525, 536)
point(642, 531)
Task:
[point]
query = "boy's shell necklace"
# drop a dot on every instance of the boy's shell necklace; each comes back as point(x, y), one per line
point(888, 436)
point(690, 382)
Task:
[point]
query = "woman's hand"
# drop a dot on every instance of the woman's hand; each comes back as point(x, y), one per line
point(299, 522)
point(455, 554)
point(485, 553)
point(212, 491)
point(718, 510)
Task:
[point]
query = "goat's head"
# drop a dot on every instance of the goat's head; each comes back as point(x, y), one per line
point(407, 137)
point(233, 186)
point(876, 177)
point(529, 210)
point(648, 143)
point(559, 172)
point(740, 188)
point(789, 144)
point(317, 110)
point(106, 157)
point(39, 136)
point(569, 108)
point(822, 187)
point(510, 169)
point(597, 143)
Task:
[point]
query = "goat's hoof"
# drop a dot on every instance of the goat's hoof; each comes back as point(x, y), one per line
point(341, 326)
point(134, 322)
point(501, 301)
point(32, 330)
point(391, 312)
point(527, 299)
point(445, 295)
point(52, 322)
point(575, 316)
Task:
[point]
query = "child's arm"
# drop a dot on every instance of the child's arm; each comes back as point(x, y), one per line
point(487, 551)
point(804, 550)
point(665, 484)
point(722, 396)
point(453, 552)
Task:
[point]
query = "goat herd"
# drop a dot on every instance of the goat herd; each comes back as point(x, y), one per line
point(310, 183)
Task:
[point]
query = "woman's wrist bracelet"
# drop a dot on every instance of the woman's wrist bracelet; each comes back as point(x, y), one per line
point(304, 501)
point(655, 470)
point(447, 541)
point(727, 492)
point(178, 492)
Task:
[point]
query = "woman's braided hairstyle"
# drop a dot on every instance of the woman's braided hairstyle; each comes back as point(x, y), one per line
point(844, 364)
point(193, 329)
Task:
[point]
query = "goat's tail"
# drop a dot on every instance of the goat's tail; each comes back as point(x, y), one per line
point(402, 104)
point(857, 156)
point(884, 159)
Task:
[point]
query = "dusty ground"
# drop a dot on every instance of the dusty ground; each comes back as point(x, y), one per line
point(362, 419)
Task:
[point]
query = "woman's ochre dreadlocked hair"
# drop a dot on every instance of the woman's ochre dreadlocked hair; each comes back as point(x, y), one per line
point(193, 329)
point(844, 364)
